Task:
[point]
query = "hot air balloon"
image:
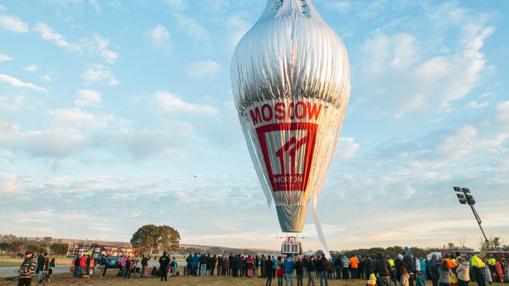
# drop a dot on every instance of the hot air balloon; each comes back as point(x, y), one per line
point(291, 85)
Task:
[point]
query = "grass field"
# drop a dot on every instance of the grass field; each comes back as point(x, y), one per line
point(66, 279)
point(7, 261)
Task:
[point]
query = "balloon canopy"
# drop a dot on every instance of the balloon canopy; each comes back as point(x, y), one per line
point(291, 85)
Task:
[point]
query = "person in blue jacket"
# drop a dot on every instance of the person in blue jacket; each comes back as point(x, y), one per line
point(289, 266)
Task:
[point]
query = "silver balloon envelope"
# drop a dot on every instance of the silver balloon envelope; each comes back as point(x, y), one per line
point(291, 85)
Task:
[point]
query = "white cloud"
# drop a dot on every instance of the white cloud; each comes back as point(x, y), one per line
point(46, 78)
point(396, 67)
point(146, 142)
point(95, 5)
point(459, 144)
point(17, 83)
point(13, 24)
point(503, 112)
point(74, 117)
point(204, 68)
point(476, 105)
point(4, 58)
point(382, 51)
point(238, 27)
point(457, 74)
point(54, 143)
point(95, 44)
point(87, 97)
point(340, 6)
point(177, 4)
point(193, 28)
point(169, 102)
point(30, 68)
point(47, 33)
point(100, 46)
point(9, 184)
point(160, 37)
point(433, 69)
point(12, 102)
point(346, 148)
point(99, 73)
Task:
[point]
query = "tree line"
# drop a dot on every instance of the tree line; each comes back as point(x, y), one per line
point(17, 247)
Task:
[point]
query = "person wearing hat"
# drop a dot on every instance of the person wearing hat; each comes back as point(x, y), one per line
point(27, 269)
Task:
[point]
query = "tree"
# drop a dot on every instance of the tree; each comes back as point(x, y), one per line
point(495, 243)
point(59, 248)
point(151, 238)
point(4, 246)
point(17, 246)
point(36, 247)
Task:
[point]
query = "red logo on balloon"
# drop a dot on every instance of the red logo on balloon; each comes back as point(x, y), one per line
point(288, 150)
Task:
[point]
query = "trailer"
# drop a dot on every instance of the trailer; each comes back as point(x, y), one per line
point(96, 249)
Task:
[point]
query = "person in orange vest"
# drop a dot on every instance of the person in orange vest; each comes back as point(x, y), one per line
point(451, 262)
point(91, 265)
point(354, 266)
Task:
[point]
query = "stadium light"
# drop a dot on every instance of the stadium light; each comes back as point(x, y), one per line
point(465, 197)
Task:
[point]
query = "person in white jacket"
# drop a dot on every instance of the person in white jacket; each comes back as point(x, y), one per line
point(463, 272)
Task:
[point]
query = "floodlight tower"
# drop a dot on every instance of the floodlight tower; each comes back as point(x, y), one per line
point(465, 197)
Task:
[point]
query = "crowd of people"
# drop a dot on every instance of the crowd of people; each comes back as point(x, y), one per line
point(40, 266)
point(381, 270)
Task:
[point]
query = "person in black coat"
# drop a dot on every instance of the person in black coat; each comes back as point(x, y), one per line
point(189, 265)
point(144, 265)
point(268, 265)
point(77, 269)
point(231, 262)
point(164, 262)
point(40, 262)
point(220, 265)
point(383, 270)
point(310, 265)
point(409, 263)
point(299, 270)
point(213, 263)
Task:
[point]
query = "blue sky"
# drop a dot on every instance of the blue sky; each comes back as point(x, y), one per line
point(115, 114)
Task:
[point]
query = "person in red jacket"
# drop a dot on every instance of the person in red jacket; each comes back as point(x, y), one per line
point(83, 265)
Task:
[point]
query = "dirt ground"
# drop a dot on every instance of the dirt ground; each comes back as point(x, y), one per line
point(67, 279)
